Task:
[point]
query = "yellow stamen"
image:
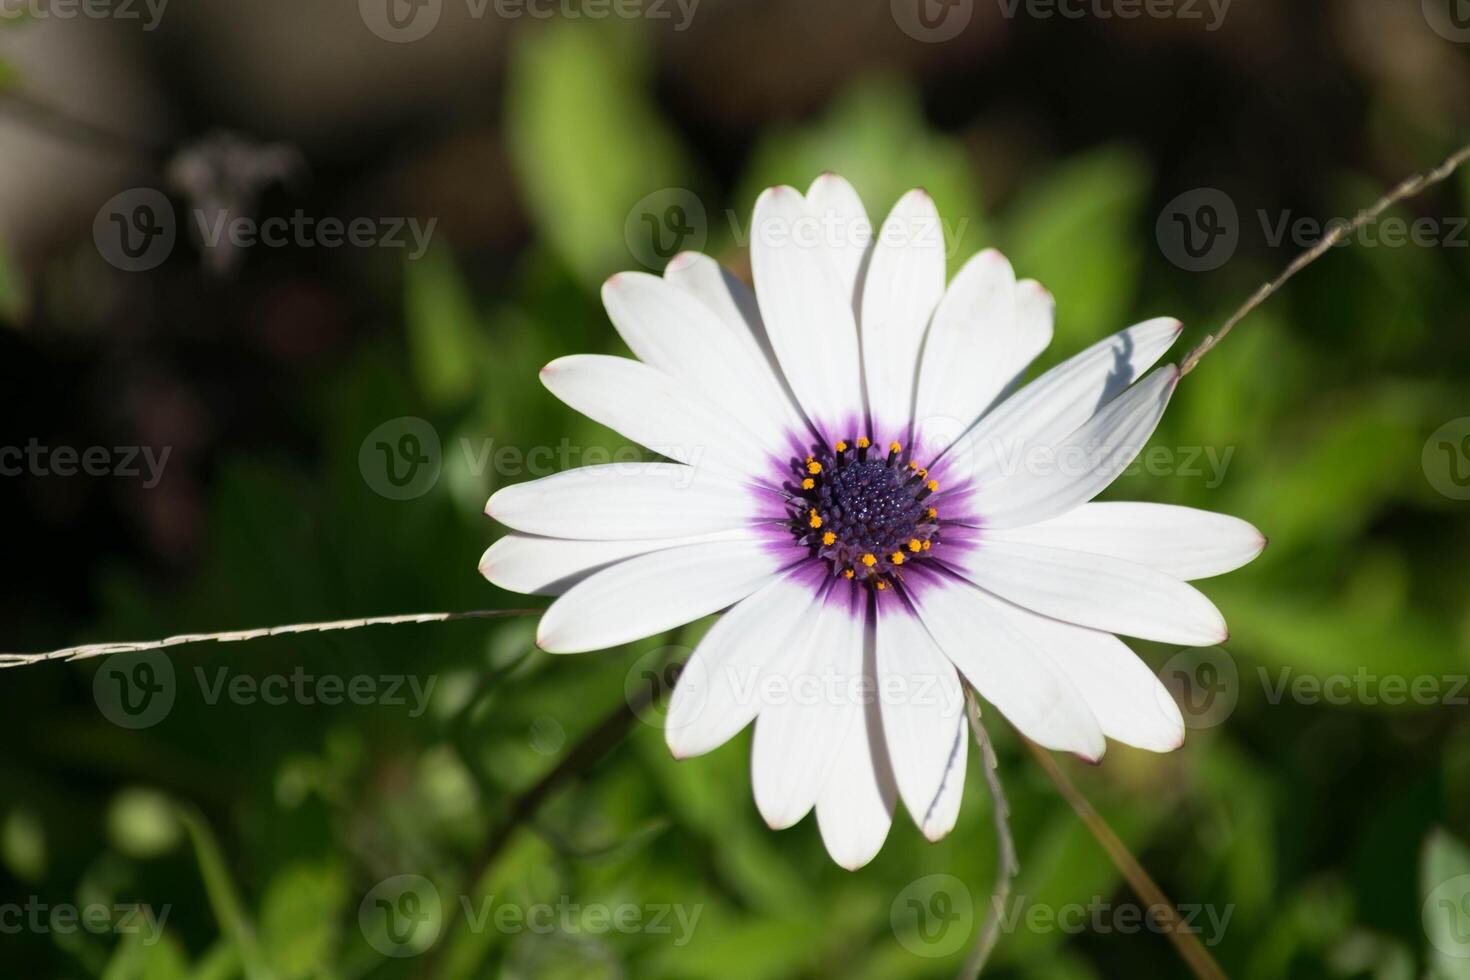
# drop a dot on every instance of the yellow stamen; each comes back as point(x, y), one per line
point(848, 574)
point(923, 473)
point(882, 585)
point(932, 513)
point(808, 483)
point(841, 446)
point(863, 443)
point(926, 545)
point(915, 544)
point(933, 485)
point(896, 557)
point(814, 467)
point(894, 447)
point(829, 539)
point(870, 560)
point(816, 520)
point(913, 465)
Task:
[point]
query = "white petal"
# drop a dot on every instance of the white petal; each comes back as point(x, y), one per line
point(1130, 703)
point(536, 565)
point(1096, 591)
point(734, 303)
point(624, 502)
point(904, 284)
point(1065, 397)
point(1049, 481)
point(651, 593)
point(1181, 542)
point(804, 722)
point(659, 411)
point(671, 330)
point(718, 690)
point(855, 807)
point(922, 705)
point(807, 312)
point(946, 808)
point(1008, 669)
point(967, 355)
point(837, 205)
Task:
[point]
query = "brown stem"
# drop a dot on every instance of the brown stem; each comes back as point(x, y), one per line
point(1195, 956)
point(1008, 866)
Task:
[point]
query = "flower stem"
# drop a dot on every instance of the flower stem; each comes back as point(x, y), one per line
point(1405, 190)
point(1195, 956)
point(1008, 865)
point(90, 650)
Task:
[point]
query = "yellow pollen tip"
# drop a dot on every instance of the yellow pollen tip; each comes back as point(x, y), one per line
point(932, 513)
point(882, 585)
point(932, 485)
point(923, 473)
point(894, 447)
point(816, 520)
point(913, 465)
point(848, 574)
point(896, 557)
point(814, 467)
point(841, 446)
point(870, 560)
point(915, 544)
point(829, 539)
point(808, 483)
point(863, 443)
point(926, 545)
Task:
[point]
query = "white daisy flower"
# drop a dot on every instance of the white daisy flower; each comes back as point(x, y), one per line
point(853, 480)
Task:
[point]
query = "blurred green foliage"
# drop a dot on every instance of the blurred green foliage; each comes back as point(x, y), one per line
point(1315, 828)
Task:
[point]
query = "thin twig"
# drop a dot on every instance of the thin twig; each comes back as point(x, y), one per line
point(1008, 865)
point(1409, 188)
point(90, 650)
point(1195, 956)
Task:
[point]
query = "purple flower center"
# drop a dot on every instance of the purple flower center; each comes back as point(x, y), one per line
point(865, 514)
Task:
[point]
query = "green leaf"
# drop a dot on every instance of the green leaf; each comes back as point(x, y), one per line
point(224, 897)
point(1444, 884)
point(443, 330)
point(299, 916)
point(141, 956)
point(1075, 231)
point(586, 141)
